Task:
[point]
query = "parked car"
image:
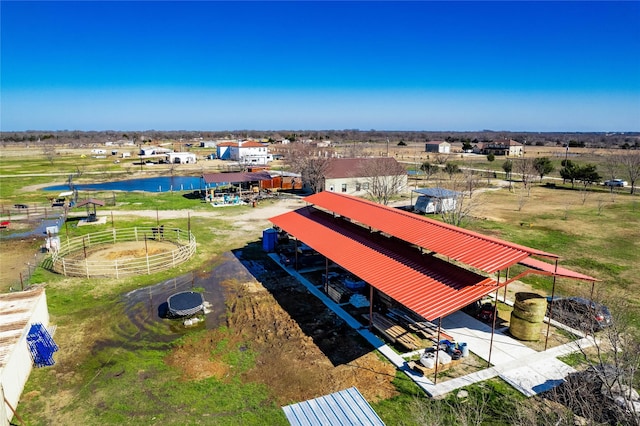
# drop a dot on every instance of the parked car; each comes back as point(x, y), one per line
point(615, 182)
point(580, 313)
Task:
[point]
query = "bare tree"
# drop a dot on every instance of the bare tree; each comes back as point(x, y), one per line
point(526, 168)
point(603, 391)
point(472, 180)
point(631, 164)
point(310, 163)
point(461, 207)
point(600, 204)
point(355, 150)
point(49, 151)
point(385, 178)
point(611, 166)
point(523, 197)
point(441, 159)
point(429, 169)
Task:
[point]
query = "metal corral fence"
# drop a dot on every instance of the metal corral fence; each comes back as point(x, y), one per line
point(80, 266)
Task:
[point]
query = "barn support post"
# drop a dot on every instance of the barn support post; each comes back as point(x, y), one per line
point(326, 274)
point(493, 323)
point(505, 287)
point(370, 307)
point(553, 295)
point(435, 374)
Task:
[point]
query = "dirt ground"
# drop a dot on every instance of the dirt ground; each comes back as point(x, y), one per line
point(304, 350)
point(125, 250)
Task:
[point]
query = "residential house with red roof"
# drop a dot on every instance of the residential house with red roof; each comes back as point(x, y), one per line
point(355, 176)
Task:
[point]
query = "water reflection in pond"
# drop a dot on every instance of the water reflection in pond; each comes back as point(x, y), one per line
point(154, 184)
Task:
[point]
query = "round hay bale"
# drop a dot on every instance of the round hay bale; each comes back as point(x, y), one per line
point(530, 307)
point(523, 329)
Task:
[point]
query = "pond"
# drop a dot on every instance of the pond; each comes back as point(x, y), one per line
point(154, 184)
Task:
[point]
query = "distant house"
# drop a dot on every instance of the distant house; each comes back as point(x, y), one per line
point(153, 150)
point(208, 144)
point(245, 152)
point(509, 148)
point(441, 147)
point(354, 176)
point(435, 200)
point(181, 158)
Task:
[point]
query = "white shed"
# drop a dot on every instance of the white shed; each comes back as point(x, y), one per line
point(441, 147)
point(20, 310)
point(181, 157)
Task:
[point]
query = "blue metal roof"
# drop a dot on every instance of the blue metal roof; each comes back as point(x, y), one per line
point(437, 192)
point(346, 407)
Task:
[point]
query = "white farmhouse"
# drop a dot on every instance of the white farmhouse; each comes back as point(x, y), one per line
point(246, 152)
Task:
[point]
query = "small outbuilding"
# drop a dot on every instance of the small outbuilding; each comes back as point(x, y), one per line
point(440, 147)
point(89, 203)
point(346, 407)
point(435, 200)
point(181, 158)
point(20, 311)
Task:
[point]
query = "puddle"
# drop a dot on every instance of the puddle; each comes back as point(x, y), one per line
point(39, 230)
point(150, 303)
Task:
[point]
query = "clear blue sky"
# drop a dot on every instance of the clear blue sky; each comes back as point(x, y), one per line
point(520, 66)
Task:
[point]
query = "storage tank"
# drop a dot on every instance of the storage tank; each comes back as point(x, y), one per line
point(269, 239)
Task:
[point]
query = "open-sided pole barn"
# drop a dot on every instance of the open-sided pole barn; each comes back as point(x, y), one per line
point(409, 257)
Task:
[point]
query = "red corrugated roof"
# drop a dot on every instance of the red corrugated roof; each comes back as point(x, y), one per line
point(551, 270)
point(471, 248)
point(429, 286)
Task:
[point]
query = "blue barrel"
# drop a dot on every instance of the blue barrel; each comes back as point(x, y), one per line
point(464, 349)
point(269, 239)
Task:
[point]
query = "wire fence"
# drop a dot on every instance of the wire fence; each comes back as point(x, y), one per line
point(71, 257)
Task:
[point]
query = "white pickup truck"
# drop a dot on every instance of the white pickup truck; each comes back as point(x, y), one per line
point(615, 182)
